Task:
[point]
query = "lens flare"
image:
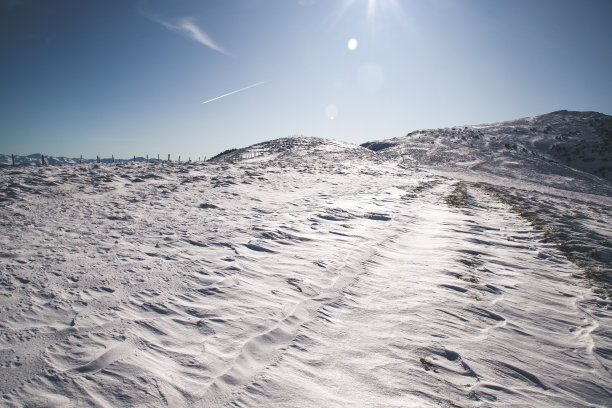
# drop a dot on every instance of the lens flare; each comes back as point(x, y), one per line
point(352, 44)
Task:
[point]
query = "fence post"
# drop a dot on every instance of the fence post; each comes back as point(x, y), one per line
point(112, 158)
point(42, 159)
point(13, 158)
point(134, 158)
point(147, 157)
point(179, 159)
point(81, 159)
point(157, 156)
point(168, 156)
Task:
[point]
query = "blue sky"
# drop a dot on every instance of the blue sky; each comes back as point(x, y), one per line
point(129, 77)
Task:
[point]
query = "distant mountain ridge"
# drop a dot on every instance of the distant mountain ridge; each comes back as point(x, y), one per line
point(35, 160)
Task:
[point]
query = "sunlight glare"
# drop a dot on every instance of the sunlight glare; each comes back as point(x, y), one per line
point(371, 8)
point(352, 44)
point(386, 8)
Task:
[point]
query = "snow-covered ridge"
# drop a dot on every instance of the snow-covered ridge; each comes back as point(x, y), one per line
point(296, 148)
point(553, 142)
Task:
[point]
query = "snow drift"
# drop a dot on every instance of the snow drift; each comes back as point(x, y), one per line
point(426, 270)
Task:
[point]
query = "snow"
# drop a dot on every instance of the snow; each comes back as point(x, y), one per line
point(307, 272)
point(555, 144)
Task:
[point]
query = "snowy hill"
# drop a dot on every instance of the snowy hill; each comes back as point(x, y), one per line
point(302, 149)
point(555, 144)
point(437, 269)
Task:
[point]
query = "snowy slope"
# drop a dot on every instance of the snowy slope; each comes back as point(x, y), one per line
point(556, 145)
point(304, 272)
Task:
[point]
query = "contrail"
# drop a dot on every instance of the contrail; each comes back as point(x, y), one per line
point(233, 92)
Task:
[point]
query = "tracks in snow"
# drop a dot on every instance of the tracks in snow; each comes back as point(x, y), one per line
point(450, 307)
point(293, 286)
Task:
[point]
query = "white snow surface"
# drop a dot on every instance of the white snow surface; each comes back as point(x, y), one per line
point(563, 148)
point(305, 272)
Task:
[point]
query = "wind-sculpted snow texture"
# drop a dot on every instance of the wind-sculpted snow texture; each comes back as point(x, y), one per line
point(298, 273)
point(550, 147)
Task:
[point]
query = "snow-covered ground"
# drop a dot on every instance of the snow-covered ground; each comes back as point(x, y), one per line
point(306, 272)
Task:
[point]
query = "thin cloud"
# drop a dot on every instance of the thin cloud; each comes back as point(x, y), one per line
point(187, 28)
point(233, 92)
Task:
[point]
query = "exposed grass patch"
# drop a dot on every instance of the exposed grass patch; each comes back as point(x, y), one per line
point(223, 153)
point(593, 253)
point(468, 263)
point(471, 279)
point(425, 185)
point(564, 246)
point(458, 197)
point(428, 365)
point(468, 278)
point(581, 246)
point(550, 232)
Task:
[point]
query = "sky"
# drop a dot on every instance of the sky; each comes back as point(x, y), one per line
point(193, 78)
